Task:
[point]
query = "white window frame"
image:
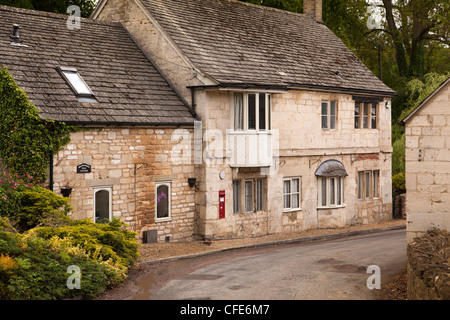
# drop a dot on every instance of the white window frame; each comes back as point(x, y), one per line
point(65, 71)
point(328, 197)
point(328, 114)
point(169, 185)
point(240, 197)
point(267, 106)
point(291, 193)
point(102, 188)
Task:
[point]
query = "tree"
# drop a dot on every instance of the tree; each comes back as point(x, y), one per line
point(414, 27)
point(56, 6)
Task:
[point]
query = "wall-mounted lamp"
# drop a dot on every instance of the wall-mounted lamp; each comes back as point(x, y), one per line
point(192, 181)
point(66, 191)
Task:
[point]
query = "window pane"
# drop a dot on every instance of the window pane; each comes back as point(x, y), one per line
point(324, 192)
point(338, 191)
point(238, 111)
point(366, 116)
point(324, 115)
point(374, 116)
point(262, 111)
point(360, 184)
point(236, 196)
point(357, 115)
point(102, 206)
point(295, 193)
point(76, 82)
point(162, 200)
point(261, 194)
point(367, 184)
point(252, 111)
point(376, 177)
point(332, 114)
point(287, 193)
point(332, 195)
point(269, 97)
point(248, 196)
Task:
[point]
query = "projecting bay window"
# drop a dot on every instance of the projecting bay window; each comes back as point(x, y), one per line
point(252, 111)
point(331, 192)
point(330, 184)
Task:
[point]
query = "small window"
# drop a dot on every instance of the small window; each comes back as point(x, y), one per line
point(102, 204)
point(365, 115)
point(76, 82)
point(163, 201)
point(328, 114)
point(291, 193)
point(368, 184)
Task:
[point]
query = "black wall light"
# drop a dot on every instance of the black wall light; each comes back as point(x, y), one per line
point(192, 181)
point(66, 191)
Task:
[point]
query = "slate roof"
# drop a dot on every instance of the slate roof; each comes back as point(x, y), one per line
point(242, 44)
point(129, 90)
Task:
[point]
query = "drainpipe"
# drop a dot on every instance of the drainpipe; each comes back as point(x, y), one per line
point(193, 101)
point(51, 171)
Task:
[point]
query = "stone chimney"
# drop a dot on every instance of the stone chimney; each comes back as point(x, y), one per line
point(314, 8)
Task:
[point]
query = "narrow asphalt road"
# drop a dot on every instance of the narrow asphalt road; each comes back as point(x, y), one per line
point(332, 269)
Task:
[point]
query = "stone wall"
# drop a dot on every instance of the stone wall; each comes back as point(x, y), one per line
point(129, 161)
point(427, 166)
point(428, 266)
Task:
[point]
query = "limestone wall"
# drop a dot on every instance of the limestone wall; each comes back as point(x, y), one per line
point(427, 165)
point(129, 161)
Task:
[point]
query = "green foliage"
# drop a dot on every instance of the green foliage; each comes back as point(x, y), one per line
point(56, 6)
point(418, 89)
point(105, 240)
point(34, 265)
point(398, 155)
point(26, 140)
point(398, 182)
point(40, 207)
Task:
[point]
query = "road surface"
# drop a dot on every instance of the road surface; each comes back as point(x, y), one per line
point(331, 269)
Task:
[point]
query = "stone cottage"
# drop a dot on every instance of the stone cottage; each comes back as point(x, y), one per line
point(295, 131)
point(120, 163)
point(427, 169)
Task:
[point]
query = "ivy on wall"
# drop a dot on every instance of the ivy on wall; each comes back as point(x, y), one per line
point(26, 140)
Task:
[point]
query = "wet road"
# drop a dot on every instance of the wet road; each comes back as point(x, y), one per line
point(332, 269)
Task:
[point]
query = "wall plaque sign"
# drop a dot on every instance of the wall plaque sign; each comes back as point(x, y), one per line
point(84, 168)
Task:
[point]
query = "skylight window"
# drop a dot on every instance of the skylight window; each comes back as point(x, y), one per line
point(76, 82)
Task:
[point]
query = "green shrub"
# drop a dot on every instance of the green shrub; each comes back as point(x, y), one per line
point(34, 265)
point(108, 241)
point(398, 182)
point(39, 206)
